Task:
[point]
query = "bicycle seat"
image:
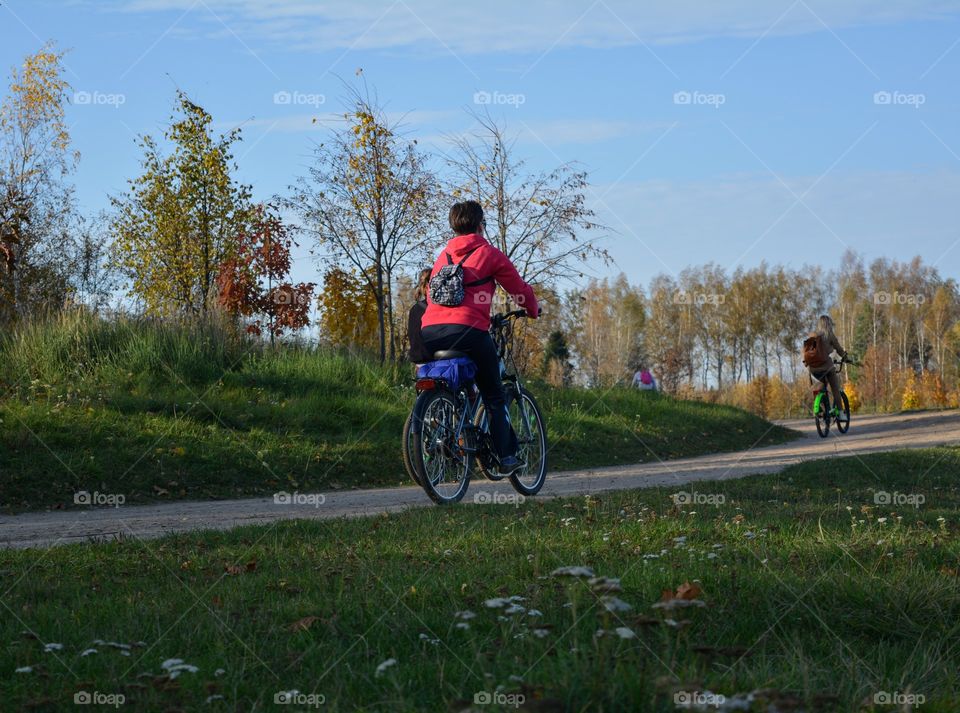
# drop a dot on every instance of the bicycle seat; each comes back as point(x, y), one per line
point(449, 354)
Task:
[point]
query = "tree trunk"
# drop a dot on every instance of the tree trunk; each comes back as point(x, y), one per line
point(393, 339)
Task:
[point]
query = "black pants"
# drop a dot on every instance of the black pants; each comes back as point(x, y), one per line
point(479, 346)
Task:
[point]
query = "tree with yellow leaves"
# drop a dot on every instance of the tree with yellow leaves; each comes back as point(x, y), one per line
point(174, 228)
point(348, 312)
point(36, 202)
point(911, 398)
point(370, 203)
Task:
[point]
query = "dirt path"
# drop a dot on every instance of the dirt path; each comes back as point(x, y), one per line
point(868, 434)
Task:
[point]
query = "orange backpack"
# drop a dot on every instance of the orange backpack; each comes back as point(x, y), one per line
point(816, 355)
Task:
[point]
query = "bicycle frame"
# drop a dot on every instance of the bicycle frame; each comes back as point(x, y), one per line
point(501, 330)
point(825, 389)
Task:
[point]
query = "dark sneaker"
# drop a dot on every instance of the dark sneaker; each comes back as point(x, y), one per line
point(510, 465)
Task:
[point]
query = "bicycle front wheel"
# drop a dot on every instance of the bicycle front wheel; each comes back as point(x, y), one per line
point(527, 421)
point(438, 453)
point(843, 420)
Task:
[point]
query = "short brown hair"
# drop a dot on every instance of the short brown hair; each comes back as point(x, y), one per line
point(466, 217)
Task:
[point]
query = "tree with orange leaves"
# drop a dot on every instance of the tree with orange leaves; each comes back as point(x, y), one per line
point(254, 281)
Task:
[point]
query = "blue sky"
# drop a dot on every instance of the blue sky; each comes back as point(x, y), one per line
point(730, 132)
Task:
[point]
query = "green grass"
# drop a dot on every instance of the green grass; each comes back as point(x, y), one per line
point(157, 412)
point(811, 590)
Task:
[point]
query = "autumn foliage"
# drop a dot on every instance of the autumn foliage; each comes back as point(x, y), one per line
point(253, 283)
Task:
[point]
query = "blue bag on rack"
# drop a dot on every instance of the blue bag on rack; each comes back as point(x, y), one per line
point(455, 372)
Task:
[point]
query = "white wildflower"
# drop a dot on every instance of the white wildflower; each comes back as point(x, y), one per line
point(572, 571)
point(381, 669)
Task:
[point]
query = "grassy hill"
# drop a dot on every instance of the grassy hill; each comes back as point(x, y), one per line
point(159, 411)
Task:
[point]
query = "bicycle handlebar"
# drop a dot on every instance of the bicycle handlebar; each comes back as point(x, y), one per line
point(504, 316)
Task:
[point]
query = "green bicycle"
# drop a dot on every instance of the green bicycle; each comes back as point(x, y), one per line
point(823, 414)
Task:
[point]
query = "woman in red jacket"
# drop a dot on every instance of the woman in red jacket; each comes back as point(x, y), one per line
point(466, 327)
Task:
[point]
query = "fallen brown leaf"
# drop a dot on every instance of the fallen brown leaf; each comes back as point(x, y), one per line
point(304, 624)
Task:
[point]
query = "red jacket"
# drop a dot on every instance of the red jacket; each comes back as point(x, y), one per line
point(485, 262)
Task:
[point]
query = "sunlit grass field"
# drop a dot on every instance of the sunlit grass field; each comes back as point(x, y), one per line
point(796, 591)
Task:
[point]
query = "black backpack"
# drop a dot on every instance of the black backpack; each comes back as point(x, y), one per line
point(447, 287)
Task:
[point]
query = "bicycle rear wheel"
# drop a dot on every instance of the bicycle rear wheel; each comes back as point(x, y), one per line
point(843, 420)
point(821, 413)
point(441, 462)
point(531, 430)
point(407, 449)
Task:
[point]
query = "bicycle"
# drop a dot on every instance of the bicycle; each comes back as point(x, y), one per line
point(448, 430)
point(821, 406)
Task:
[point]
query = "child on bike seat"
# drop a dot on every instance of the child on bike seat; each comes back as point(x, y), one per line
point(465, 328)
point(418, 352)
point(828, 370)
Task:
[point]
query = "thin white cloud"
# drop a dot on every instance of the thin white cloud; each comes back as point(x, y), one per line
point(532, 26)
point(304, 122)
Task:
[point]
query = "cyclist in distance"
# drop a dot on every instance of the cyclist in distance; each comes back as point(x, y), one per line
point(827, 369)
point(465, 327)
